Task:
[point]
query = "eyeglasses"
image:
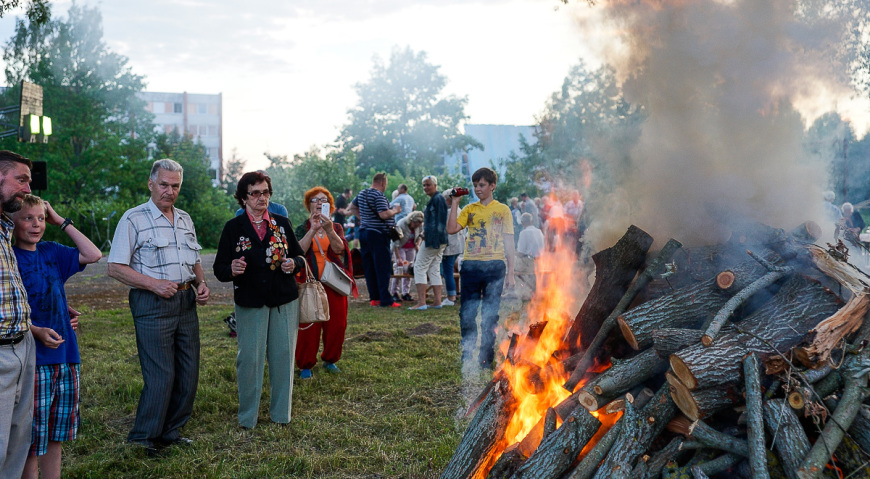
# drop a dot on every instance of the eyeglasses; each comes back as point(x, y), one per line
point(319, 200)
point(257, 193)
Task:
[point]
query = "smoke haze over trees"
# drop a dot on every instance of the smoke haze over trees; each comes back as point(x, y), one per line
point(402, 121)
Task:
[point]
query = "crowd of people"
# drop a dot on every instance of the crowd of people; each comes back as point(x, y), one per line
point(155, 251)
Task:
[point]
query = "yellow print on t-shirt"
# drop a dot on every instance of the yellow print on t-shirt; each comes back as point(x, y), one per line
point(487, 226)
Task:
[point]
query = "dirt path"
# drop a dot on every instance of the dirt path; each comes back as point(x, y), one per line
point(93, 289)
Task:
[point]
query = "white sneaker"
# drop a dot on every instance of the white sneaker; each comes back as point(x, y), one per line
point(447, 302)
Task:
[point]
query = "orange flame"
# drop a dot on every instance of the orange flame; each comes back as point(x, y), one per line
point(536, 377)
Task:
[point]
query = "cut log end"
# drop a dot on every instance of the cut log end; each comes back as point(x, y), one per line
point(627, 334)
point(808, 231)
point(706, 340)
point(685, 402)
point(725, 279)
point(587, 400)
point(796, 400)
point(682, 372)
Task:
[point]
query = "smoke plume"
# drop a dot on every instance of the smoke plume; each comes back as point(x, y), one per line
point(721, 83)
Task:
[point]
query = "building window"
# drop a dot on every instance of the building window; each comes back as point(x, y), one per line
point(157, 107)
point(193, 130)
point(212, 130)
point(213, 153)
point(212, 109)
point(177, 108)
point(168, 129)
point(202, 108)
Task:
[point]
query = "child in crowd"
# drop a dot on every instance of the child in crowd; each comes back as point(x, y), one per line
point(45, 266)
point(487, 266)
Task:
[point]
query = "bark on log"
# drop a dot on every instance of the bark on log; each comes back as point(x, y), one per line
point(559, 450)
point(660, 459)
point(700, 432)
point(589, 464)
point(788, 436)
point(474, 452)
point(615, 267)
point(622, 376)
point(684, 308)
point(778, 325)
point(667, 341)
point(701, 403)
point(511, 460)
point(593, 350)
point(624, 450)
point(712, 467)
point(828, 335)
point(841, 420)
point(729, 307)
point(755, 433)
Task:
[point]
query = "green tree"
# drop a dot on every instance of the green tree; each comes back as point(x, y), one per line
point(209, 207)
point(38, 11)
point(402, 120)
point(292, 178)
point(101, 129)
point(234, 168)
point(586, 126)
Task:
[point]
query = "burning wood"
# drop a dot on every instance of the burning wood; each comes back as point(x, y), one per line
point(701, 330)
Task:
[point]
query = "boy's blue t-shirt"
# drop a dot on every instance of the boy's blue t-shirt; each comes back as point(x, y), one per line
point(44, 272)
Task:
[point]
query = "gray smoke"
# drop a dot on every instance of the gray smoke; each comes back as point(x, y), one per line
point(722, 143)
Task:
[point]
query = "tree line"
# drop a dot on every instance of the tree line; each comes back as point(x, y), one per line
point(104, 140)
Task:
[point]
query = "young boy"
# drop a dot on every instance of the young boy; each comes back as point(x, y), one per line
point(489, 244)
point(45, 266)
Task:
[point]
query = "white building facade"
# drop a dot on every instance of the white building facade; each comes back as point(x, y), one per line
point(195, 114)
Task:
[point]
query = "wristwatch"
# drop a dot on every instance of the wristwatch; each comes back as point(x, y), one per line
point(66, 222)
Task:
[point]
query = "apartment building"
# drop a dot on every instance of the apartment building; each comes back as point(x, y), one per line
point(196, 114)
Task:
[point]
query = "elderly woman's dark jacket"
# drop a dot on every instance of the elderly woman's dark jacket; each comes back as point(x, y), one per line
point(263, 283)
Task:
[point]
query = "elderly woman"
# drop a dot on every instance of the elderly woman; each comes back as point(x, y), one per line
point(404, 252)
point(323, 242)
point(259, 253)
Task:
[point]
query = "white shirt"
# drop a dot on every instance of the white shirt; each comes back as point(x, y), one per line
point(531, 242)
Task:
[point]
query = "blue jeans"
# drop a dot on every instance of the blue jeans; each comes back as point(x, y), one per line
point(482, 285)
point(377, 264)
point(447, 263)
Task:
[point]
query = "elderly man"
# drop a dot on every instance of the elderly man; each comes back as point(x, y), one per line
point(17, 350)
point(376, 221)
point(155, 252)
point(428, 262)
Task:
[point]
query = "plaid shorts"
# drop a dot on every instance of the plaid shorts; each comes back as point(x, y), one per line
point(55, 406)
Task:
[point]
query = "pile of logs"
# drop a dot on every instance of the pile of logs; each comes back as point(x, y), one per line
point(743, 359)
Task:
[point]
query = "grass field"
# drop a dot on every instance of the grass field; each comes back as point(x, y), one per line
point(391, 413)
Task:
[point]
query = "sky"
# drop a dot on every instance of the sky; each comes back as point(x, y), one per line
point(287, 69)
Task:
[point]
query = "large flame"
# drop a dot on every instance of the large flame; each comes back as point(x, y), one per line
point(536, 377)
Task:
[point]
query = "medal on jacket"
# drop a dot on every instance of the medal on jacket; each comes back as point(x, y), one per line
point(277, 250)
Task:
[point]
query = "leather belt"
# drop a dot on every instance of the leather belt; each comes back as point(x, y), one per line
point(185, 286)
point(12, 340)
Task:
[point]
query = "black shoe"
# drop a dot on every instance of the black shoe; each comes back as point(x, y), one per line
point(151, 450)
point(179, 441)
point(396, 298)
point(407, 297)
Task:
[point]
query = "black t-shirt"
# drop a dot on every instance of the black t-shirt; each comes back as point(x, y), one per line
point(340, 204)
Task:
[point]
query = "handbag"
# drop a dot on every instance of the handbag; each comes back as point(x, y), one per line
point(333, 276)
point(394, 233)
point(313, 304)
